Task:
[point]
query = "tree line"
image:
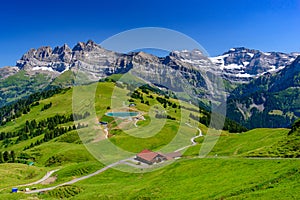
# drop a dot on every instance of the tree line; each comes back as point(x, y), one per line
point(17, 109)
point(229, 125)
point(33, 128)
point(58, 131)
point(7, 156)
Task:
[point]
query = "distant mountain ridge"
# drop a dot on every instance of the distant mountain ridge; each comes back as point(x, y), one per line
point(236, 65)
point(251, 77)
point(242, 64)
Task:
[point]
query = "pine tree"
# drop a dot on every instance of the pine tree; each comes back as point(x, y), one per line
point(1, 157)
point(12, 156)
point(5, 156)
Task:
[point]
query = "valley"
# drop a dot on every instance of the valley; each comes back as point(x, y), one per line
point(237, 167)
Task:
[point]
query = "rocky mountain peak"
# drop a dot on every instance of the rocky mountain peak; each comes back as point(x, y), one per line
point(242, 65)
point(43, 52)
point(79, 46)
point(240, 50)
point(90, 43)
point(88, 46)
point(187, 54)
point(63, 49)
point(45, 59)
point(28, 54)
point(146, 56)
point(238, 64)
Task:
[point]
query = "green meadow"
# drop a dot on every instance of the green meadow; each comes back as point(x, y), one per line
point(228, 172)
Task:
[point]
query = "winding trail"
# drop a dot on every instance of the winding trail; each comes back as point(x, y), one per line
point(192, 139)
point(78, 179)
point(125, 161)
point(106, 132)
point(48, 174)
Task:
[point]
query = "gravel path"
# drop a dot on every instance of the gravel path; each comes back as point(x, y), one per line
point(125, 161)
point(41, 180)
point(77, 179)
point(192, 139)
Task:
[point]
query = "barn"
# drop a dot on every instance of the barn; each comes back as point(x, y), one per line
point(150, 157)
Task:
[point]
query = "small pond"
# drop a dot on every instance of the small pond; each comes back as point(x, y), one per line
point(122, 114)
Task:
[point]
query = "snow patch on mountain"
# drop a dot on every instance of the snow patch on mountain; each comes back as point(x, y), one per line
point(236, 65)
point(43, 69)
point(244, 75)
point(242, 64)
point(250, 54)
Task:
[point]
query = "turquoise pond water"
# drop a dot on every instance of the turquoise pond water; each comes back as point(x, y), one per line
point(122, 114)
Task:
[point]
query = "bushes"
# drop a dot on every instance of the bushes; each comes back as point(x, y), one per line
point(66, 191)
point(47, 106)
point(229, 125)
point(55, 160)
point(58, 131)
point(7, 156)
point(164, 116)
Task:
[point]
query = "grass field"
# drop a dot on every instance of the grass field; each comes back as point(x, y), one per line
point(200, 179)
point(209, 178)
point(16, 174)
point(242, 144)
point(226, 174)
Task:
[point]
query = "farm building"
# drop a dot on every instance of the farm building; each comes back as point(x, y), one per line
point(150, 157)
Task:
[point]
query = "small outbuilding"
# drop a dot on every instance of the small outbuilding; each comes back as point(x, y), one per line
point(174, 155)
point(103, 123)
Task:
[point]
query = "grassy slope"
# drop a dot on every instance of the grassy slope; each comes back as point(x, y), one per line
point(13, 173)
point(242, 144)
point(287, 147)
point(202, 178)
point(21, 85)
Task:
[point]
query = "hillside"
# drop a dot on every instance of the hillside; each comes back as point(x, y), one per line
point(269, 101)
point(22, 84)
point(45, 116)
point(287, 147)
point(58, 146)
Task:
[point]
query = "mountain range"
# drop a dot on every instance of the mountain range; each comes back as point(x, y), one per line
point(237, 64)
point(262, 87)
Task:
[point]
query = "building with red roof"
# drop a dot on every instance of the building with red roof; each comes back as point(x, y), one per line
point(150, 157)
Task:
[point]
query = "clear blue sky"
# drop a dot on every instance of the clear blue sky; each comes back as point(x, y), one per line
point(218, 25)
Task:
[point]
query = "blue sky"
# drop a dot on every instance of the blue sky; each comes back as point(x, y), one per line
point(218, 25)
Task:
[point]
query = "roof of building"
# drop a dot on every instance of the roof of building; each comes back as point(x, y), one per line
point(147, 155)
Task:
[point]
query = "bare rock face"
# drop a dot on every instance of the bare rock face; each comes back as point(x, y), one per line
point(97, 61)
point(239, 65)
point(46, 59)
point(188, 70)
